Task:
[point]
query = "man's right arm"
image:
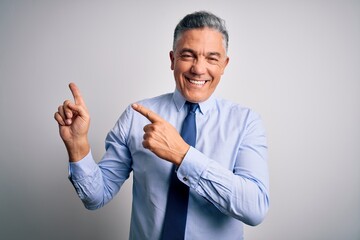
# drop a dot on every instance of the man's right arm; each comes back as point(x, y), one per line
point(95, 184)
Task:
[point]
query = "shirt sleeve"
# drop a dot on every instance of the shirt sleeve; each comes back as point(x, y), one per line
point(96, 184)
point(85, 176)
point(241, 192)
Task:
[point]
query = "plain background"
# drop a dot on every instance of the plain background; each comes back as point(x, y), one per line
point(297, 63)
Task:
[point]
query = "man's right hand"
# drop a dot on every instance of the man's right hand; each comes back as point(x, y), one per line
point(74, 122)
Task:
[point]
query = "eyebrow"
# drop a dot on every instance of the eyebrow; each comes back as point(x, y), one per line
point(214, 53)
point(194, 52)
point(187, 50)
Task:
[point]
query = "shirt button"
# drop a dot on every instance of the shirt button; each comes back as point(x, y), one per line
point(185, 179)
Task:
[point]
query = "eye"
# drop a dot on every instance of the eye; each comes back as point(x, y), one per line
point(213, 60)
point(186, 56)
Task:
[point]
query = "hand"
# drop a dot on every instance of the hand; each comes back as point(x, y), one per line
point(74, 122)
point(162, 138)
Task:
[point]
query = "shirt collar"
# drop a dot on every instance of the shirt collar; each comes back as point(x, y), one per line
point(204, 106)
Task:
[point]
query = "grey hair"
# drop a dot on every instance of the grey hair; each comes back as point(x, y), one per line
point(200, 20)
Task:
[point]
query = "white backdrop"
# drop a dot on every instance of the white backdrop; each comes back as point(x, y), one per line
point(297, 63)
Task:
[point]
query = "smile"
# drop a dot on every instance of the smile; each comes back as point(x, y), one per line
point(197, 82)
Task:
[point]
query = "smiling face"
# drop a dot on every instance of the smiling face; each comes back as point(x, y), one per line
point(198, 61)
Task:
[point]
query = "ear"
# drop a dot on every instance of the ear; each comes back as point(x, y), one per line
point(171, 55)
point(225, 64)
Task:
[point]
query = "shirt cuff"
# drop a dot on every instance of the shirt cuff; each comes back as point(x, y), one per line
point(192, 167)
point(83, 168)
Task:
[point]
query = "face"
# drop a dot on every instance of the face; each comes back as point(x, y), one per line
point(198, 61)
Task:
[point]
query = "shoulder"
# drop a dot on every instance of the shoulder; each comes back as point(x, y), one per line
point(227, 106)
point(130, 120)
point(158, 100)
point(157, 104)
point(235, 111)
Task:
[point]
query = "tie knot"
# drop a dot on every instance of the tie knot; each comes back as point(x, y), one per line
point(192, 106)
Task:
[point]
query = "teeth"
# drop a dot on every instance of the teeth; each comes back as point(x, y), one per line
point(197, 82)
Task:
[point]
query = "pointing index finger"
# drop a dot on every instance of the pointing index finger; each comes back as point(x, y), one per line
point(76, 94)
point(153, 117)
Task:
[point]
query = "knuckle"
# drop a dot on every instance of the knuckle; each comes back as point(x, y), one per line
point(158, 127)
point(145, 144)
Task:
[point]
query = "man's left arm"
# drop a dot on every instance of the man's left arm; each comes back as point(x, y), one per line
point(242, 193)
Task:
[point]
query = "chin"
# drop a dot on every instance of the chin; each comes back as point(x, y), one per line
point(195, 99)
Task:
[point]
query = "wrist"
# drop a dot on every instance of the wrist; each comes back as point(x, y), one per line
point(77, 150)
point(180, 157)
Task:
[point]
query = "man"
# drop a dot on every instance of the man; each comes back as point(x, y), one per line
point(224, 170)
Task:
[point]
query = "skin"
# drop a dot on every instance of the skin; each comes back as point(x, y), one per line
point(199, 56)
point(74, 122)
point(198, 62)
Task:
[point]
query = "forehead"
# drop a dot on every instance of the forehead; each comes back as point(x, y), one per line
point(204, 39)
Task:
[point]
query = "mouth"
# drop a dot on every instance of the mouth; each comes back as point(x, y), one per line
point(197, 82)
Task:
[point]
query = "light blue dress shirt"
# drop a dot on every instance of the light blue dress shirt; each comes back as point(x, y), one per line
point(227, 171)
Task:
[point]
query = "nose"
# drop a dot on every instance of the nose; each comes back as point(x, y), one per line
point(198, 67)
